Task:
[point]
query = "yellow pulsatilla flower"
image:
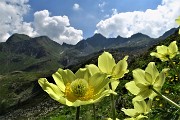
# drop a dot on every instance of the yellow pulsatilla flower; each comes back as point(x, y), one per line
point(144, 81)
point(107, 65)
point(139, 111)
point(165, 53)
point(178, 22)
point(76, 89)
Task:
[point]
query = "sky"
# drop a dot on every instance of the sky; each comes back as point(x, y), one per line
point(70, 21)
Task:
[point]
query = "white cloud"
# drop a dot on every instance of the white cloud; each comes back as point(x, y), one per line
point(151, 22)
point(56, 27)
point(76, 6)
point(114, 11)
point(11, 15)
point(101, 6)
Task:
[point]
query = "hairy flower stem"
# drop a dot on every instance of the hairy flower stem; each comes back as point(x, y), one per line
point(174, 67)
point(112, 104)
point(94, 111)
point(77, 113)
point(165, 98)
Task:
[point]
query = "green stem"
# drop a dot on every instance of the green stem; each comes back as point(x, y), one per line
point(94, 111)
point(174, 67)
point(77, 113)
point(165, 98)
point(112, 104)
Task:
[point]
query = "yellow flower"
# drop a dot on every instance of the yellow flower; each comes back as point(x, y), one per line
point(107, 65)
point(167, 91)
point(160, 105)
point(165, 53)
point(144, 81)
point(140, 109)
point(178, 22)
point(76, 89)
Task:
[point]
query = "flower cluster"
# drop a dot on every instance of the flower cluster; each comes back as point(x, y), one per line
point(148, 83)
point(165, 53)
point(91, 84)
point(88, 85)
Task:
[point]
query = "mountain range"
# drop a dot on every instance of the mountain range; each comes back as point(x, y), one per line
point(23, 53)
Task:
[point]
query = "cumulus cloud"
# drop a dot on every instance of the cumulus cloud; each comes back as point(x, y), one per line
point(76, 6)
point(11, 15)
point(56, 27)
point(151, 22)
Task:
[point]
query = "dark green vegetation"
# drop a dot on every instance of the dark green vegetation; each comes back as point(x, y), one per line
point(24, 60)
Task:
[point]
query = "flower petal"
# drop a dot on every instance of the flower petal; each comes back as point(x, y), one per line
point(53, 91)
point(139, 77)
point(153, 72)
point(178, 20)
point(120, 68)
point(160, 79)
point(149, 104)
point(59, 81)
point(83, 73)
point(93, 69)
point(67, 75)
point(129, 112)
point(160, 56)
point(106, 62)
point(131, 86)
point(162, 49)
point(140, 117)
point(114, 84)
point(98, 81)
point(142, 95)
point(140, 106)
point(78, 102)
point(173, 49)
point(102, 94)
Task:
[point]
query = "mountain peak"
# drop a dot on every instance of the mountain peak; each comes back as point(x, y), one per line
point(17, 38)
point(98, 35)
point(137, 35)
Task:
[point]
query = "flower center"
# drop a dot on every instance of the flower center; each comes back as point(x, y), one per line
point(79, 87)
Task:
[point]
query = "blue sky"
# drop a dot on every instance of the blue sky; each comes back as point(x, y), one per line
point(73, 20)
point(90, 12)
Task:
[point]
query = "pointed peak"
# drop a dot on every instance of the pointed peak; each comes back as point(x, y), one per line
point(17, 38)
point(98, 35)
